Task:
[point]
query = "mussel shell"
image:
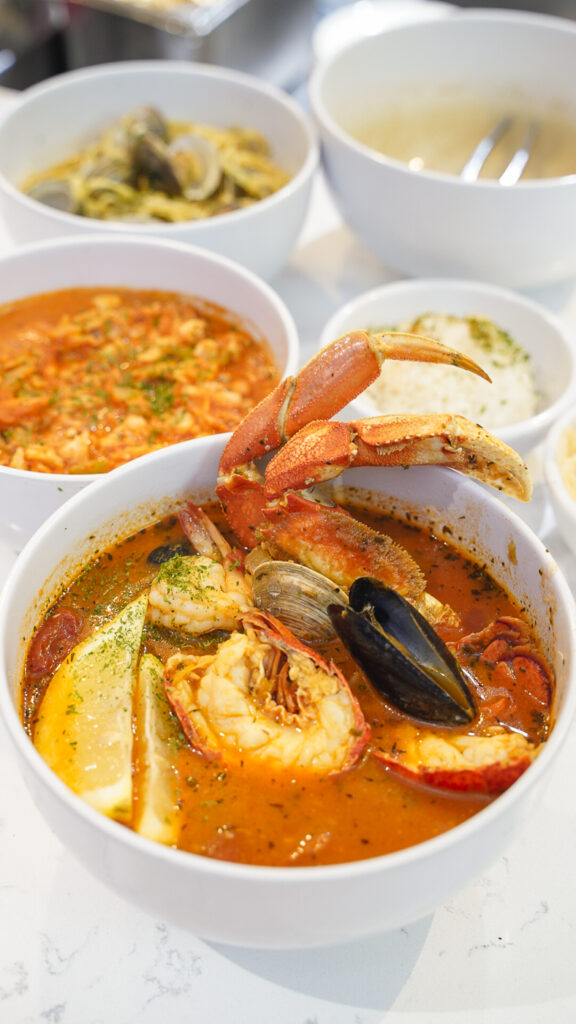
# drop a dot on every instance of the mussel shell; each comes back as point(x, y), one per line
point(402, 655)
point(299, 597)
point(165, 552)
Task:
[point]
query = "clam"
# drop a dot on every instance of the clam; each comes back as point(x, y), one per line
point(55, 193)
point(146, 120)
point(393, 644)
point(402, 655)
point(196, 162)
point(299, 597)
point(114, 168)
point(152, 160)
point(189, 166)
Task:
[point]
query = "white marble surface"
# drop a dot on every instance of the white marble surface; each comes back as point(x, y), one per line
point(502, 952)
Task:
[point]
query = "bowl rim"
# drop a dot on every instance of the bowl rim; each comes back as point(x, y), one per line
point(271, 875)
point(541, 420)
point(328, 124)
point(133, 68)
point(187, 251)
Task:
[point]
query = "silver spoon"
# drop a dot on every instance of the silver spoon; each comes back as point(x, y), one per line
point(515, 168)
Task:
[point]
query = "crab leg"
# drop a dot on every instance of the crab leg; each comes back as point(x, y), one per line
point(328, 381)
point(331, 379)
point(323, 449)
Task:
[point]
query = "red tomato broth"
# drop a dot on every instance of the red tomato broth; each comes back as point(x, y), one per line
point(94, 377)
point(250, 814)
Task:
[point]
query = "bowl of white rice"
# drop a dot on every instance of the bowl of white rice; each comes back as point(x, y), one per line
point(560, 474)
point(527, 352)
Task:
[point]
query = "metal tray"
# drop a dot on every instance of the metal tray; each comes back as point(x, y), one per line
point(184, 17)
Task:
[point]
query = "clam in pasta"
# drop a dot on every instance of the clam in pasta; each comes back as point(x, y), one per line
point(144, 169)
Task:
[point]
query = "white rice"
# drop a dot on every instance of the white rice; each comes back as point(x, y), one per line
point(567, 460)
point(409, 387)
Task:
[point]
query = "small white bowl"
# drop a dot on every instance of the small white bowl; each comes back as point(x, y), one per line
point(126, 261)
point(269, 907)
point(56, 118)
point(563, 503)
point(425, 223)
point(541, 334)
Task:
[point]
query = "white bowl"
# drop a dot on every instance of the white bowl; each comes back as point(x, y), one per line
point(264, 906)
point(124, 260)
point(428, 223)
point(367, 17)
point(543, 336)
point(57, 117)
point(563, 503)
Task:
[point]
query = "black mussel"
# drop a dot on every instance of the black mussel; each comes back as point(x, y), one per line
point(165, 552)
point(401, 654)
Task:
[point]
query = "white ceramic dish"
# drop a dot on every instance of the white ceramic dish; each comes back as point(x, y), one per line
point(543, 336)
point(367, 17)
point(282, 907)
point(125, 260)
point(426, 223)
point(563, 504)
point(57, 117)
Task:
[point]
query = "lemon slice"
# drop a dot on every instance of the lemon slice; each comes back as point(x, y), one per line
point(159, 737)
point(84, 730)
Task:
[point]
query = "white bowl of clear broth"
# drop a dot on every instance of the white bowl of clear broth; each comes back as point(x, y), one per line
point(100, 349)
point(399, 114)
point(208, 156)
point(296, 902)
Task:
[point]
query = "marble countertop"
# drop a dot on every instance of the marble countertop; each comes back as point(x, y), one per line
point(501, 952)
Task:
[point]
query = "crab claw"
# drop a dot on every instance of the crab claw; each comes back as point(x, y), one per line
point(402, 656)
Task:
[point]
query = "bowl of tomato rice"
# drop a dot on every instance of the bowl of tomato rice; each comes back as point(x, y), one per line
point(114, 347)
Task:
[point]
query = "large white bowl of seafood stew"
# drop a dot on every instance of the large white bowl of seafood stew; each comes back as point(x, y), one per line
point(526, 351)
point(268, 798)
point(401, 112)
point(112, 347)
point(191, 152)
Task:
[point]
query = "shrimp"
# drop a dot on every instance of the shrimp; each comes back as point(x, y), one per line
point(464, 763)
point(268, 697)
point(198, 593)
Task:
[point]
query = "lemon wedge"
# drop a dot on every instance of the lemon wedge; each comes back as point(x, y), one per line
point(84, 730)
point(159, 737)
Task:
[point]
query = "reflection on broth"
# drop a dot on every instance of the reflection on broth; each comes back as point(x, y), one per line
point(440, 133)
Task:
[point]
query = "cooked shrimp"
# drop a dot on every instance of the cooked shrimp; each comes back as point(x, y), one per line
point(195, 594)
point(475, 764)
point(266, 696)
